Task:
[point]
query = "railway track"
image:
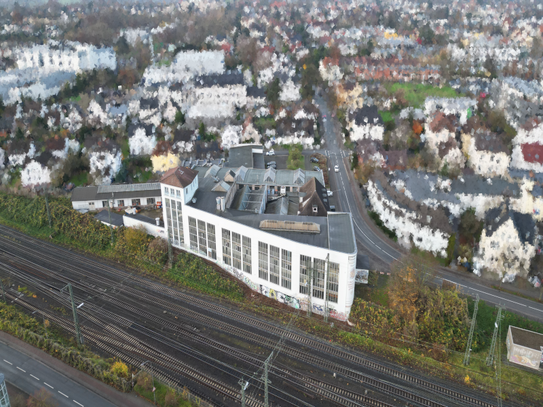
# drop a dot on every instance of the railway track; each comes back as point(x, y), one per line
point(239, 317)
point(333, 393)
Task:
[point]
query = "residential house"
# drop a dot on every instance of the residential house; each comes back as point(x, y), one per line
point(440, 138)
point(507, 245)
point(414, 223)
point(528, 149)
point(365, 123)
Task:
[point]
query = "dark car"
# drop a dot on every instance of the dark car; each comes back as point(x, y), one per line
point(314, 160)
point(315, 168)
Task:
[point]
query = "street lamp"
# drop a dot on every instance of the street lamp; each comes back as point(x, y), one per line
point(152, 379)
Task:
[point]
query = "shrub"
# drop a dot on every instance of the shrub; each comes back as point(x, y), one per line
point(171, 399)
point(158, 250)
point(145, 381)
point(120, 369)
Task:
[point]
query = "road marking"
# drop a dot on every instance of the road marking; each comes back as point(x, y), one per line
point(21, 369)
point(63, 394)
point(492, 295)
point(9, 363)
point(48, 385)
point(537, 309)
point(78, 403)
point(37, 378)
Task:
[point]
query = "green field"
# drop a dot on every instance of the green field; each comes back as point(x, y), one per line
point(416, 94)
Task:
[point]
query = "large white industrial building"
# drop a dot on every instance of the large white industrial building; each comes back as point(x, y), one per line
point(268, 229)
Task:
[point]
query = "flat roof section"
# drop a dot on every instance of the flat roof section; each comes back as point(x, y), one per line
point(341, 233)
point(528, 339)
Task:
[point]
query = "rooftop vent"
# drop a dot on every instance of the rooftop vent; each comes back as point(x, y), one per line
point(281, 225)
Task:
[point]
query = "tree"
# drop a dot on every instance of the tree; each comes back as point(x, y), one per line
point(179, 117)
point(404, 287)
point(122, 46)
point(426, 34)
point(202, 130)
point(41, 398)
point(273, 92)
point(470, 227)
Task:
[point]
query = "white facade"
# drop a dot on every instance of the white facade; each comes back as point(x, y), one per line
point(503, 252)
point(272, 265)
point(483, 162)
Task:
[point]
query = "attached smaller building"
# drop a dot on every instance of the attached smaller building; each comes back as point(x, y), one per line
point(524, 347)
point(118, 196)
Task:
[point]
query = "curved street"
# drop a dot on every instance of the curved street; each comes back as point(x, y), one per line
point(381, 250)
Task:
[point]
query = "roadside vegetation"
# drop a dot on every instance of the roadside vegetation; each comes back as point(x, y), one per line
point(295, 158)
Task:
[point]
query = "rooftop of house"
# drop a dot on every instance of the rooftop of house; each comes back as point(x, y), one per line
point(523, 222)
point(366, 115)
point(116, 191)
point(179, 177)
point(333, 227)
point(315, 202)
point(442, 121)
point(532, 152)
point(112, 218)
point(422, 186)
point(528, 339)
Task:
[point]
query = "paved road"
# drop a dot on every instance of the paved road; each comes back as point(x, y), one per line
point(29, 375)
point(382, 251)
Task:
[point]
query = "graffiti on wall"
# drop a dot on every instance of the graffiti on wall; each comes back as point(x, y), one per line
point(279, 296)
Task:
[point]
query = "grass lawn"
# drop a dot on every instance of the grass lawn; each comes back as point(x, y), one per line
point(80, 179)
point(416, 94)
point(295, 158)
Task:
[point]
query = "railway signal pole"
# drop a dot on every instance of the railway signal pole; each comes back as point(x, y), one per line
point(78, 335)
point(244, 384)
point(471, 330)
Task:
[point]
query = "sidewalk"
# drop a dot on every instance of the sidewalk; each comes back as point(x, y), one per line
point(109, 393)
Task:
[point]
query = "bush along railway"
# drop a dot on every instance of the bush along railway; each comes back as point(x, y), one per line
point(137, 319)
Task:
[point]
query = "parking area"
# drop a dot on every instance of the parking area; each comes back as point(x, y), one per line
point(280, 159)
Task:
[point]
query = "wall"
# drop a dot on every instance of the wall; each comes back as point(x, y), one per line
point(151, 229)
point(501, 248)
point(291, 296)
point(485, 163)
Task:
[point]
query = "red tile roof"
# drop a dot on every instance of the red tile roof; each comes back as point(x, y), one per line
point(532, 152)
point(180, 177)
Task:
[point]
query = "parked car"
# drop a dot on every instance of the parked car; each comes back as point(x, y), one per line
point(329, 193)
point(272, 163)
point(315, 168)
point(274, 166)
point(336, 168)
point(332, 208)
point(314, 160)
point(271, 152)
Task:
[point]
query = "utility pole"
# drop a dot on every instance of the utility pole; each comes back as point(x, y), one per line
point(309, 287)
point(109, 204)
point(78, 335)
point(490, 357)
point(265, 378)
point(48, 211)
point(244, 384)
point(170, 253)
point(499, 371)
point(3, 291)
point(327, 270)
point(471, 330)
